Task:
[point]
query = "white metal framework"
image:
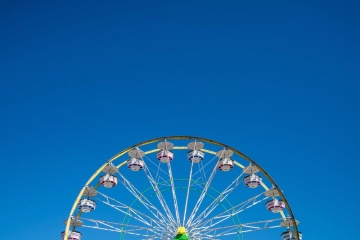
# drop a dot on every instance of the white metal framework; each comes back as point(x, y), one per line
point(177, 182)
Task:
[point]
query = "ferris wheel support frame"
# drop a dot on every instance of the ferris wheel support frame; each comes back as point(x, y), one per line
point(275, 185)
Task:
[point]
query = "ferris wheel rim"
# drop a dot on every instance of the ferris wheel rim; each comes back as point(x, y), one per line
point(154, 140)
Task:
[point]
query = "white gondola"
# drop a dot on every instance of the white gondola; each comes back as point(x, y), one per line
point(73, 235)
point(195, 156)
point(135, 164)
point(87, 205)
point(108, 180)
point(275, 205)
point(252, 181)
point(165, 156)
point(290, 236)
point(225, 164)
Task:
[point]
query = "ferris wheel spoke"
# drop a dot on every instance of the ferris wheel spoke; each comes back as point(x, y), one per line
point(242, 228)
point(188, 192)
point(144, 201)
point(247, 204)
point(155, 185)
point(158, 168)
point(174, 194)
point(146, 235)
point(157, 172)
point(202, 195)
point(202, 167)
point(218, 200)
point(200, 236)
point(197, 182)
point(130, 212)
point(159, 195)
point(254, 225)
point(120, 227)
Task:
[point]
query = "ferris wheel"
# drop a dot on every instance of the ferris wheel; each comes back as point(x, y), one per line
point(181, 187)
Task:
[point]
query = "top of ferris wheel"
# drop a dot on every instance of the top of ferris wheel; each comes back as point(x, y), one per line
point(165, 145)
point(194, 138)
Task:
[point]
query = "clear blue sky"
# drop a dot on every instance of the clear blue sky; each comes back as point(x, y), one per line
point(82, 80)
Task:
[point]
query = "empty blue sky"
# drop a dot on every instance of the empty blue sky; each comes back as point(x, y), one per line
point(79, 81)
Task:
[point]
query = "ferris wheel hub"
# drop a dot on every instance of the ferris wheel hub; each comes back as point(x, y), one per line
point(181, 230)
point(181, 234)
